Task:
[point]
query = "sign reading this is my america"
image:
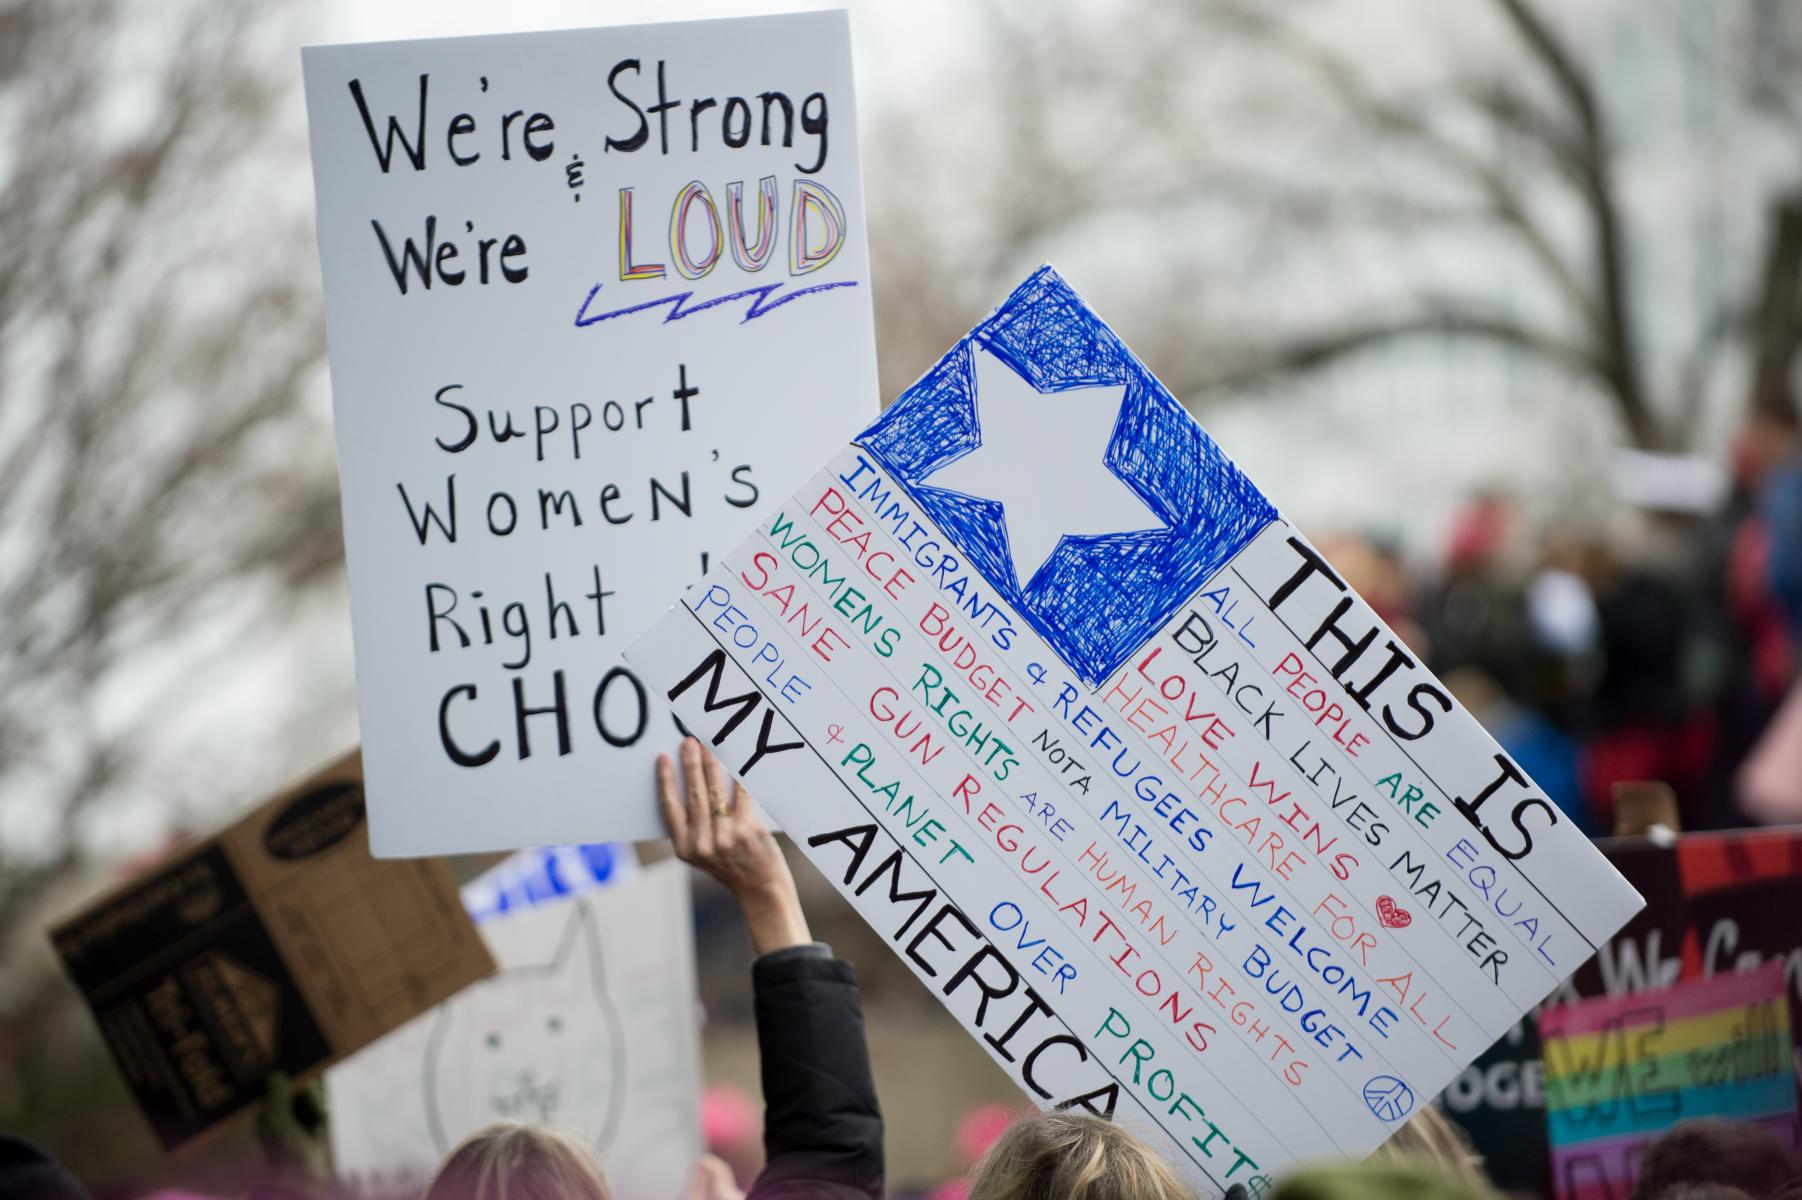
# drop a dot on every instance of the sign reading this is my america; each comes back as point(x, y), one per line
point(1122, 768)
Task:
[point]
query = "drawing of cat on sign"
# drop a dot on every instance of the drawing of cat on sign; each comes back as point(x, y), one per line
point(589, 1025)
point(531, 1043)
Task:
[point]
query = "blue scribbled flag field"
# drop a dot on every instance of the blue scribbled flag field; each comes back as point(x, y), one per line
point(1097, 596)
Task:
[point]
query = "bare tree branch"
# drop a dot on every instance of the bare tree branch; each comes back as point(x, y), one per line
point(1405, 123)
point(1777, 324)
point(1305, 352)
point(158, 324)
point(1595, 175)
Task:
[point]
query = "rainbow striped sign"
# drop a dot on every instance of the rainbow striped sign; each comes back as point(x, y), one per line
point(1621, 1070)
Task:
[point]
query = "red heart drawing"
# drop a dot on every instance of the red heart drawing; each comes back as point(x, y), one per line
point(1393, 915)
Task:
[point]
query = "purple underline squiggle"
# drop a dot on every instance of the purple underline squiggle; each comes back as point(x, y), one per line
point(679, 307)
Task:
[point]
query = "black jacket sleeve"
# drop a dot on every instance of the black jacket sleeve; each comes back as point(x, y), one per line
point(822, 1129)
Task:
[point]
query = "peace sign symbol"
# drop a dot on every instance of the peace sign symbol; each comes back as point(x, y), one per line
point(1388, 1097)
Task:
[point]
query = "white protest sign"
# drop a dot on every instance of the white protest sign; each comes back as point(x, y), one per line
point(592, 299)
point(590, 1025)
point(1120, 767)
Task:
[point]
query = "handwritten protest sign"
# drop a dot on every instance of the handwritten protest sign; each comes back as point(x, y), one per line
point(1716, 903)
point(590, 1025)
point(590, 297)
point(1122, 769)
point(279, 944)
point(1620, 1071)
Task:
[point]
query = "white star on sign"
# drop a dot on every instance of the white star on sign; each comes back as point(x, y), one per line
point(1041, 457)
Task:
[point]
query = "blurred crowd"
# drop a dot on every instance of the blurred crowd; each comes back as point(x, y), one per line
point(1008, 1154)
point(820, 1134)
point(1662, 642)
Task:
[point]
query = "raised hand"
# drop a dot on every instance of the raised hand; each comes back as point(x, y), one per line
point(714, 827)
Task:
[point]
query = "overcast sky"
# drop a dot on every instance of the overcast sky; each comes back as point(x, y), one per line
point(894, 44)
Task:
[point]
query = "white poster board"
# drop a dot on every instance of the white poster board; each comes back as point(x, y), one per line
point(1160, 810)
point(591, 1024)
point(592, 298)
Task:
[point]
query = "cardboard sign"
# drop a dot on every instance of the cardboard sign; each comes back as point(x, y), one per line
point(278, 944)
point(1716, 903)
point(1622, 1070)
point(590, 1025)
point(1122, 769)
point(593, 299)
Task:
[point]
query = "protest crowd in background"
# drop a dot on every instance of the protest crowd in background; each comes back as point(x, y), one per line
point(822, 1124)
point(779, 772)
point(1660, 641)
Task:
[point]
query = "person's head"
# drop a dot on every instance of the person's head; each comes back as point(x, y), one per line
point(1737, 1155)
point(1429, 1136)
point(1704, 1191)
point(1062, 1156)
point(1768, 438)
point(1396, 1179)
point(510, 1161)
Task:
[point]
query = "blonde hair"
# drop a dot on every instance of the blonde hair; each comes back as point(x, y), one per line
point(511, 1161)
point(1061, 1156)
point(1429, 1136)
